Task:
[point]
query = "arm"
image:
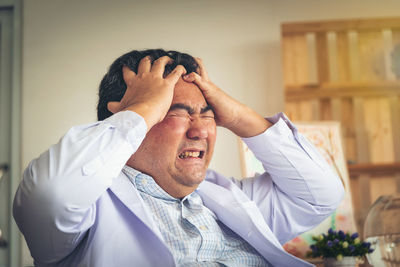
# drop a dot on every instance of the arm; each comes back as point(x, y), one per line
point(55, 204)
point(298, 189)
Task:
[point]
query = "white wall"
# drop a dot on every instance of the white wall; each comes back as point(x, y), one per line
point(68, 45)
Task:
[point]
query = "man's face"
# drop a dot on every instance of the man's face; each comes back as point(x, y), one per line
point(177, 151)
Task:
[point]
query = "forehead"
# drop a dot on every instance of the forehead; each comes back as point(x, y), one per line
point(189, 94)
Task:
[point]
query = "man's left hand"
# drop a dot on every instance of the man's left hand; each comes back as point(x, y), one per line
point(229, 113)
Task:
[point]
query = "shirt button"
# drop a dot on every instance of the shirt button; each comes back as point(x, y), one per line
point(249, 234)
point(144, 182)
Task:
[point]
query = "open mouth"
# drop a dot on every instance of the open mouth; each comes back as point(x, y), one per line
point(191, 154)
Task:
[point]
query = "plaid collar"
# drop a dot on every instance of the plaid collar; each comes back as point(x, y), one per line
point(146, 184)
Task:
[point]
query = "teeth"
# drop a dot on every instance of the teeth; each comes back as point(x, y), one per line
point(193, 154)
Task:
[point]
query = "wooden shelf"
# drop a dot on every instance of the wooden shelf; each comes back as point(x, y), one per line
point(339, 25)
point(373, 169)
point(326, 90)
point(348, 71)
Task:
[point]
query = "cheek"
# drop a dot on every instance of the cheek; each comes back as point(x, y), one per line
point(168, 132)
point(212, 135)
point(173, 126)
point(212, 128)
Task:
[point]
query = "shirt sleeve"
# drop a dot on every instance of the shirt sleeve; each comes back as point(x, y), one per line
point(298, 189)
point(54, 205)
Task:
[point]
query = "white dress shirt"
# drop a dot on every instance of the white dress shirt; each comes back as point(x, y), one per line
point(76, 208)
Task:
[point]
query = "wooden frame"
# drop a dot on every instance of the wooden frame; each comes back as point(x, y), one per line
point(340, 25)
point(348, 71)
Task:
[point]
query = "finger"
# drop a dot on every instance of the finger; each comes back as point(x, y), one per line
point(144, 65)
point(128, 74)
point(174, 76)
point(194, 78)
point(113, 107)
point(202, 70)
point(159, 65)
point(197, 80)
point(191, 77)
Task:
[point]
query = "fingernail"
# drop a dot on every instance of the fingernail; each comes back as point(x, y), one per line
point(186, 77)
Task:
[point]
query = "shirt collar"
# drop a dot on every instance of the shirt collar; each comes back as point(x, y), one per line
point(146, 184)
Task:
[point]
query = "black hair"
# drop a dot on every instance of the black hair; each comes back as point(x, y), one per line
point(113, 87)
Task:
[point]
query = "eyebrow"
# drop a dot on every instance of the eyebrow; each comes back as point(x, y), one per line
point(190, 110)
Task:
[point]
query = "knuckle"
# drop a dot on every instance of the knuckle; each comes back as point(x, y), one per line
point(142, 75)
point(146, 58)
point(162, 59)
point(180, 68)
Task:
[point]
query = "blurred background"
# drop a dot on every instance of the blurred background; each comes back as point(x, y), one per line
point(58, 51)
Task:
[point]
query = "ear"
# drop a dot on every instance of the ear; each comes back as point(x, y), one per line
point(113, 106)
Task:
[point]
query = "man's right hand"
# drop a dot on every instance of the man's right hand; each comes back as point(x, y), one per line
point(148, 93)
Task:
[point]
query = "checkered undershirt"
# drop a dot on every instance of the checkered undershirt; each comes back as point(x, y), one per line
point(192, 232)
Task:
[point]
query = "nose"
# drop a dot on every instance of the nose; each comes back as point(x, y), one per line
point(197, 130)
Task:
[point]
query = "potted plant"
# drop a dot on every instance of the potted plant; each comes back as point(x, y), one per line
point(338, 248)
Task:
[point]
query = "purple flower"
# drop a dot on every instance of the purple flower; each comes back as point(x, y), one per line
point(366, 244)
point(336, 241)
point(331, 231)
point(370, 250)
point(351, 248)
point(354, 236)
point(329, 243)
point(314, 248)
point(341, 234)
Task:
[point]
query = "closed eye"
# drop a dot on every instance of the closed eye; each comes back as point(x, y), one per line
point(208, 116)
point(178, 113)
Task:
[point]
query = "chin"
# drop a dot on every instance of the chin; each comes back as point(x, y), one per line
point(192, 179)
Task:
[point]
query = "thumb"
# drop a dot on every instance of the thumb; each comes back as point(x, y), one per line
point(113, 106)
point(193, 77)
point(189, 77)
point(176, 74)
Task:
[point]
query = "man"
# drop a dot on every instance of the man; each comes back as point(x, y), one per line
point(133, 188)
